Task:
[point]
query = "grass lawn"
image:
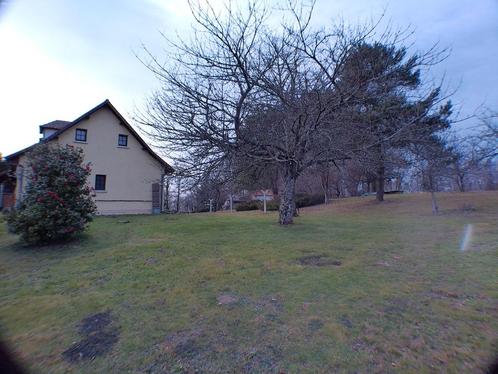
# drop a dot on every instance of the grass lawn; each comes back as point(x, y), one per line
point(352, 287)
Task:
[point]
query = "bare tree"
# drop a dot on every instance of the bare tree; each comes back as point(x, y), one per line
point(487, 133)
point(475, 151)
point(431, 159)
point(178, 192)
point(237, 78)
point(274, 97)
point(166, 193)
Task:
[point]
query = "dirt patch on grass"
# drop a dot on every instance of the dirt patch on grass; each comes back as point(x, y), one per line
point(99, 336)
point(318, 260)
point(262, 360)
point(216, 346)
point(440, 293)
point(346, 322)
point(314, 325)
point(227, 299)
point(382, 263)
point(95, 323)
point(360, 345)
point(167, 252)
point(201, 350)
point(398, 306)
point(184, 344)
point(151, 261)
point(269, 304)
point(188, 351)
point(269, 309)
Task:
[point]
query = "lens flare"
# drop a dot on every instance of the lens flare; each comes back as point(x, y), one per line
point(467, 236)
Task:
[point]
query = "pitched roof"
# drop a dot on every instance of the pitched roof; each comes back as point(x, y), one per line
point(54, 125)
point(65, 125)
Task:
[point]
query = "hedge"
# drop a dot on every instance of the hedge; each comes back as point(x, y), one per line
point(249, 205)
point(303, 200)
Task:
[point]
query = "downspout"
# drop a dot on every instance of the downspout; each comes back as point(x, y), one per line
point(161, 194)
point(19, 185)
point(1, 196)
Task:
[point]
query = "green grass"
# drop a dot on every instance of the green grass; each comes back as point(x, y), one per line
point(405, 298)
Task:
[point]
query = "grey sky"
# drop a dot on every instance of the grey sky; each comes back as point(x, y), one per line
point(60, 58)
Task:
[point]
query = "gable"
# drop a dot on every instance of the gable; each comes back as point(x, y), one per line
point(102, 129)
point(86, 119)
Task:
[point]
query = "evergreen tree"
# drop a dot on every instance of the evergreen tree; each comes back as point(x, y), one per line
point(57, 203)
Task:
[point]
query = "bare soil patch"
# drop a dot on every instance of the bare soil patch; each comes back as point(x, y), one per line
point(214, 347)
point(99, 336)
point(263, 360)
point(200, 350)
point(318, 260)
point(151, 261)
point(315, 324)
point(227, 299)
point(346, 322)
point(269, 304)
point(440, 293)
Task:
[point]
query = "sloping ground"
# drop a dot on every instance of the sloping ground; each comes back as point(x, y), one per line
point(353, 286)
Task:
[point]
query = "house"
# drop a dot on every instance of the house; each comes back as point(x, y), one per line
point(126, 173)
point(262, 195)
point(245, 196)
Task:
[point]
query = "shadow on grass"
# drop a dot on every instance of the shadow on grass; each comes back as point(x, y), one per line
point(72, 245)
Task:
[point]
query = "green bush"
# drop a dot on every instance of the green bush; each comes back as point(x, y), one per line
point(303, 200)
point(57, 202)
point(248, 205)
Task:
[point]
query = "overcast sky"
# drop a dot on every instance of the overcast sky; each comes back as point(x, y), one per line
point(60, 58)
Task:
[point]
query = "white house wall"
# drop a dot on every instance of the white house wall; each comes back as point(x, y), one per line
point(130, 171)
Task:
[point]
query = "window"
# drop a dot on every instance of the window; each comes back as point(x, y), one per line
point(80, 135)
point(123, 140)
point(100, 182)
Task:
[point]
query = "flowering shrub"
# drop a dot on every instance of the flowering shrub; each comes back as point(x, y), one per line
point(57, 202)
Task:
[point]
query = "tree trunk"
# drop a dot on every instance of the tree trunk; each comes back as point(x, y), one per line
point(435, 207)
point(178, 195)
point(166, 197)
point(287, 201)
point(343, 176)
point(398, 183)
point(490, 182)
point(380, 183)
point(460, 183)
point(325, 185)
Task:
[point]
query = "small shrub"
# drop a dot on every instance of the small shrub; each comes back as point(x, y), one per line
point(249, 205)
point(303, 200)
point(57, 202)
point(468, 208)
